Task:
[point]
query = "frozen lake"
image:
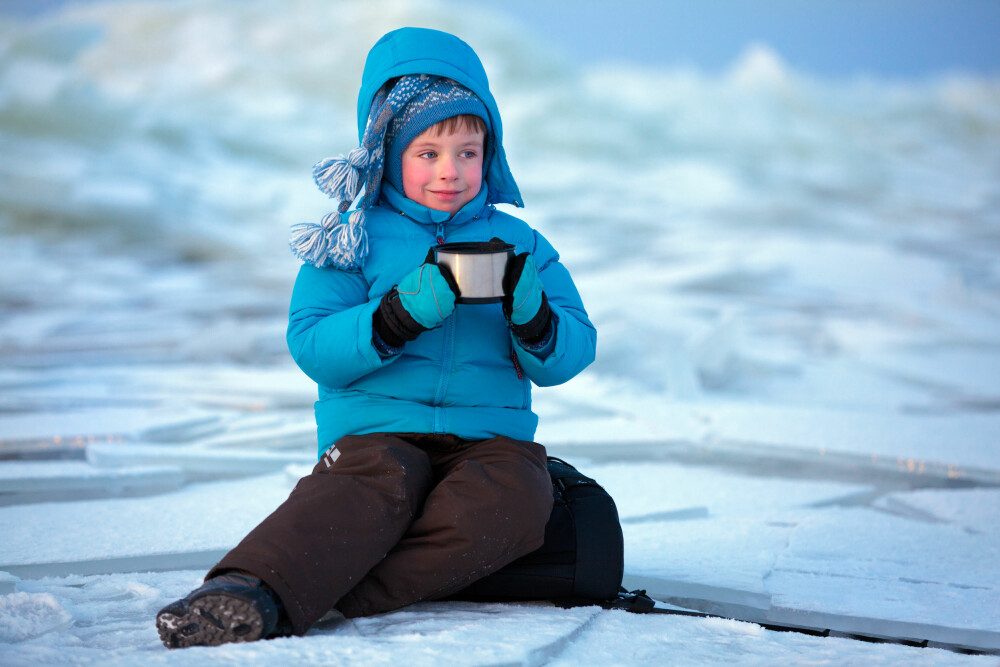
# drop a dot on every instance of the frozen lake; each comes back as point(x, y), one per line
point(795, 282)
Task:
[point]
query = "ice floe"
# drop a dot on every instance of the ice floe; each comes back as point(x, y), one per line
point(795, 400)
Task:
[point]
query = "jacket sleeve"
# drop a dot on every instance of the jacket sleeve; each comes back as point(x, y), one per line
point(330, 326)
point(575, 337)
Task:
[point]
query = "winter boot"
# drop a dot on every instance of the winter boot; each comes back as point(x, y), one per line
point(232, 607)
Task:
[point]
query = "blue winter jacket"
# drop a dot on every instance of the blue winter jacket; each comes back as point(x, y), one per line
point(469, 377)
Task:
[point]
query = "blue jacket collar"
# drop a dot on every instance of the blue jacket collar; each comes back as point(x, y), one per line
point(421, 213)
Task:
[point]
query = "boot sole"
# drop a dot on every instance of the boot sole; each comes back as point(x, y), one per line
point(210, 620)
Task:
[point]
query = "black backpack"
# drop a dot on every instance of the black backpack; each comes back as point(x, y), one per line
point(582, 559)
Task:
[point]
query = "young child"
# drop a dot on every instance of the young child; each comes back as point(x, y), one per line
point(428, 478)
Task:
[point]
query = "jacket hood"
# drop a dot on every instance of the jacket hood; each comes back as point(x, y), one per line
point(425, 51)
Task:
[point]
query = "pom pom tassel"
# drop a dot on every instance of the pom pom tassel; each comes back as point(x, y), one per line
point(310, 242)
point(340, 177)
point(332, 241)
point(349, 242)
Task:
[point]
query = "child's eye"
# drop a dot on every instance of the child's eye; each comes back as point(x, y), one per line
point(468, 154)
point(430, 155)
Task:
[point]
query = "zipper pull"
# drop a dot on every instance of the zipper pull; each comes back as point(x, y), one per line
point(517, 365)
point(440, 234)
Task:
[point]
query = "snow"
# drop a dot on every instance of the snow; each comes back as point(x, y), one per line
point(71, 480)
point(618, 638)
point(7, 583)
point(199, 517)
point(27, 615)
point(972, 510)
point(794, 280)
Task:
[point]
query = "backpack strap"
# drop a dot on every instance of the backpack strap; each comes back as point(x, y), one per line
point(635, 601)
point(638, 602)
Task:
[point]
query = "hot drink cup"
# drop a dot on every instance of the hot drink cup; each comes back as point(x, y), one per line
point(478, 268)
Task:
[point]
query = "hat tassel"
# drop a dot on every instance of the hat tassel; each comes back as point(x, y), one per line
point(340, 177)
point(310, 242)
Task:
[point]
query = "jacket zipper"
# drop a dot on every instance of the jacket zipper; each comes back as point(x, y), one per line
point(517, 364)
point(447, 356)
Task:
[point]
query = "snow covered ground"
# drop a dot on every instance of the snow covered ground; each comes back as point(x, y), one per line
point(795, 281)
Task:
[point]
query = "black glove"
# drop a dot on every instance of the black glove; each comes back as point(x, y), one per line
point(524, 302)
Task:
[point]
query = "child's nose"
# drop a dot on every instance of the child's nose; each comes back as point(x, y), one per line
point(447, 168)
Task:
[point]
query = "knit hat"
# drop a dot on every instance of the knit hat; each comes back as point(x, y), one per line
point(442, 99)
point(405, 109)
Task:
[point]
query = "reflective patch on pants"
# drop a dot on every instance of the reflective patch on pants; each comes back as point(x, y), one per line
point(330, 456)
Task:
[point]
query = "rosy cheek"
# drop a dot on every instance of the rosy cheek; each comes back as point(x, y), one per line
point(476, 175)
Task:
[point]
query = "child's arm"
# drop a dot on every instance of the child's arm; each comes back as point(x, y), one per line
point(574, 339)
point(330, 326)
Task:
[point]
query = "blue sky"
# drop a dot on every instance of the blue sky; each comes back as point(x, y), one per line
point(893, 38)
point(889, 38)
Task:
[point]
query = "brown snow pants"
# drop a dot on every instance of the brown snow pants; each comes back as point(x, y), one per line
point(388, 519)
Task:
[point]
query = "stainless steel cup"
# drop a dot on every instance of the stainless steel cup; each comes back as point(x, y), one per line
point(478, 268)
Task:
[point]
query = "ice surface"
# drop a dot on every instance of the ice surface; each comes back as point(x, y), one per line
point(196, 462)
point(111, 626)
point(795, 283)
point(69, 432)
point(732, 556)
point(919, 444)
point(859, 543)
point(973, 510)
point(643, 490)
point(138, 533)
point(853, 570)
point(23, 482)
point(622, 639)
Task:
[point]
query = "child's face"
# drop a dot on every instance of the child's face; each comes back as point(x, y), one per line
point(445, 171)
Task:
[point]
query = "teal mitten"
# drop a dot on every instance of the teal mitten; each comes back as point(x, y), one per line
point(427, 295)
point(422, 300)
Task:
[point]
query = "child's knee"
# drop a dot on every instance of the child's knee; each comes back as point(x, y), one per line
point(389, 463)
point(515, 487)
point(521, 467)
point(531, 488)
point(537, 499)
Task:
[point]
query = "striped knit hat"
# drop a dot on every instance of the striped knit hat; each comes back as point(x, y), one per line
point(399, 113)
point(442, 99)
